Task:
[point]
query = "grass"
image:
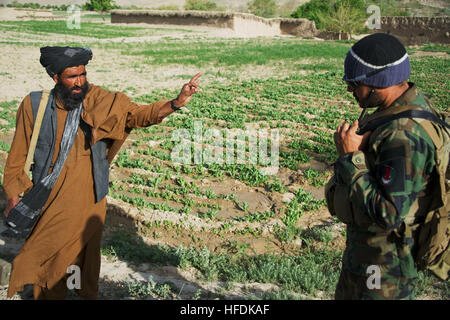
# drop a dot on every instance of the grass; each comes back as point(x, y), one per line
point(432, 47)
point(307, 273)
point(87, 29)
point(107, 16)
point(299, 276)
point(4, 146)
point(428, 285)
point(317, 178)
point(8, 110)
point(427, 73)
point(143, 289)
point(237, 53)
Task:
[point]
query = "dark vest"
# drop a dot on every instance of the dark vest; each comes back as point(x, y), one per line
point(45, 148)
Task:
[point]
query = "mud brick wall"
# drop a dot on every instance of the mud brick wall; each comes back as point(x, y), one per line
point(410, 30)
point(417, 30)
point(188, 18)
point(298, 27)
point(240, 23)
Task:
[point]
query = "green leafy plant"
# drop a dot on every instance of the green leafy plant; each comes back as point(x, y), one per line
point(275, 185)
point(312, 10)
point(168, 7)
point(143, 289)
point(336, 16)
point(345, 16)
point(256, 216)
point(263, 8)
point(201, 5)
point(101, 6)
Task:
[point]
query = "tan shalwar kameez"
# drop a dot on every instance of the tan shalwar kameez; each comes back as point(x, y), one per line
point(71, 224)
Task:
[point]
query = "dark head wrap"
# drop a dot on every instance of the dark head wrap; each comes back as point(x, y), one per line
point(378, 60)
point(56, 59)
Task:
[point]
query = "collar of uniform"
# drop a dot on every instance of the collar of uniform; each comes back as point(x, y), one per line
point(407, 97)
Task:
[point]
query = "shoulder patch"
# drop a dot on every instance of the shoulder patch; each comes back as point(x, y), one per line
point(392, 174)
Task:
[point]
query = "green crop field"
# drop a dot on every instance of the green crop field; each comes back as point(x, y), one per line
point(259, 220)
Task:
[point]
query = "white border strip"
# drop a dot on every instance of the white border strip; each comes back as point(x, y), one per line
point(378, 67)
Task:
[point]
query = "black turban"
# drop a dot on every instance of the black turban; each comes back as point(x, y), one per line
point(56, 59)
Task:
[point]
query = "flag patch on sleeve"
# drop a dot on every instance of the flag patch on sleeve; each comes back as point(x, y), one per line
point(391, 175)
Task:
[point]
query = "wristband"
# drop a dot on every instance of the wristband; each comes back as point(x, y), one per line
point(173, 106)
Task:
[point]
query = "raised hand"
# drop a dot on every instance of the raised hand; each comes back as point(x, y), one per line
point(187, 91)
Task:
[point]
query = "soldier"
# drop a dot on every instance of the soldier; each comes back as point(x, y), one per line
point(382, 176)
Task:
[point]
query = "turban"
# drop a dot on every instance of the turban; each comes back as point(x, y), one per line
point(379, 60)
point(56, 59)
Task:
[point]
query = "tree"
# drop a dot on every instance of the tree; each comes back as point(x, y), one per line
point(356, 4)
point(345, 16)
point(202, 5)
point(101, 6)
point(263, 8)
point(334, 15)
point(312, 10)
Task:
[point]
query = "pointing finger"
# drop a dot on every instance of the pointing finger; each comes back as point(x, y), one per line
point(194, 79)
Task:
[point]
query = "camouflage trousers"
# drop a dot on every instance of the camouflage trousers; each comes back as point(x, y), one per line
point(352, 286)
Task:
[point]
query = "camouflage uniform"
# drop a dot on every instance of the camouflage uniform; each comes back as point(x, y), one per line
point(373, 192)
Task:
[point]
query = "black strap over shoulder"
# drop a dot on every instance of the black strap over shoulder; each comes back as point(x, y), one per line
point(406, 114)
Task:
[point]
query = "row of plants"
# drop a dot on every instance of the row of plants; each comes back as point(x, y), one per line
point(312, 271)
point(308, 275)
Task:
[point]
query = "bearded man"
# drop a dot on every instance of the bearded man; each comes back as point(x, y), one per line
point(82, 130)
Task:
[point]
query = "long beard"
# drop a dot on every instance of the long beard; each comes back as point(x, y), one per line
point(68, 99)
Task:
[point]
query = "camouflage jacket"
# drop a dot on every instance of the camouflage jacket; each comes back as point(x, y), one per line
point(389, 181)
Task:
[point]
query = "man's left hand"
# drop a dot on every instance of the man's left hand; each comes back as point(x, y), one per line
point(347, 140)
point(187, 91)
